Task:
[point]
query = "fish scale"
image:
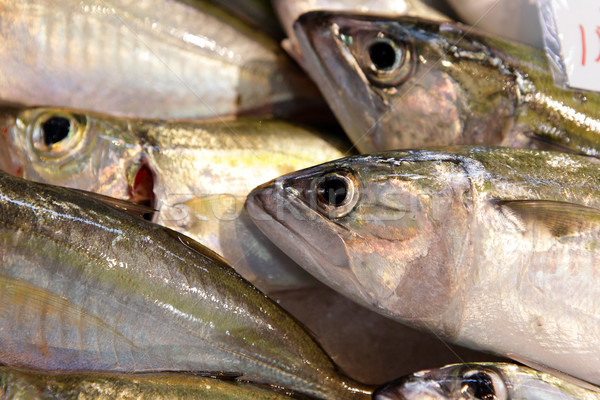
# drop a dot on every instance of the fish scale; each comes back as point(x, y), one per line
point(184, 61)
point(138, 297)
point(495, 249)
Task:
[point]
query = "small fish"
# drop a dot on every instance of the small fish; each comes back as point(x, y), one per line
point(408, 83)
point(144, 59)
point(484, 381)
point(495, 249)
point(21, 384)
point(196, 175)
point(85, 286)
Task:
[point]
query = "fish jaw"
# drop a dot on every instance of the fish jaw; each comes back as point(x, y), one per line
point(331, 65)
point(282, 218)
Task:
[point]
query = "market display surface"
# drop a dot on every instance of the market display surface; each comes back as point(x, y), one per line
point(183, 216)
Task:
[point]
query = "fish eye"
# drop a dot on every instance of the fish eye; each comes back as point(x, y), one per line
point(57, 134)
point(483, 385)
point(335, 194)
point(386, 61)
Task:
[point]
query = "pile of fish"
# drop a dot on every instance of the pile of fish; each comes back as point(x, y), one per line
point(183, 216)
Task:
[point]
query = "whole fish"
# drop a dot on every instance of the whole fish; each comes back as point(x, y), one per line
point(406, 83)
point(486, 381)
point(494, 249)
point(20, 384)
point(147, 59)
point(87, 287)
point(197, 175)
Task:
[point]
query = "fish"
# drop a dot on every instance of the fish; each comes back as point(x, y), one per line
point(85, 286)
point(495, 249)
point(488, 381)
point(196, 175)
point(145, 59)
point(25, 384)
point(513, 19)
point(401, 83)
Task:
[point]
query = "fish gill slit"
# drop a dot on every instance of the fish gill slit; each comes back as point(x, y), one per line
point(141, 190)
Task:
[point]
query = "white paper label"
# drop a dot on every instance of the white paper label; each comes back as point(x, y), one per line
point(578, 26)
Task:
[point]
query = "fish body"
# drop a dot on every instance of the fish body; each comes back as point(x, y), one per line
point(197, 175)
point(514, 19)
point(87, 287)
point(258, 13)
point(494, 249)
point(22, 384)
point(407, 83)
point(484, 381)
point(145, 59)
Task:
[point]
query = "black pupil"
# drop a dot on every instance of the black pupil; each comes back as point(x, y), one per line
point(55, 129)
point(480, 385)
point(333, 191)
point(382, 55)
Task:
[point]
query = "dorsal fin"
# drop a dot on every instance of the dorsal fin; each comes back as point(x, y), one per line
point(561, 218)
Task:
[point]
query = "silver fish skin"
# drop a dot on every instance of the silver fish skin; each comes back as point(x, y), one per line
point(196, 175)
point(18, 384)
point(87, 287)
point(513, 19)
point(492, 248)
point(145, 59)
point(397, 83)
point(489, 381)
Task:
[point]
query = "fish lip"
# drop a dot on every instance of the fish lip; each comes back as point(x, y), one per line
point(264, 205)
point(335, 78)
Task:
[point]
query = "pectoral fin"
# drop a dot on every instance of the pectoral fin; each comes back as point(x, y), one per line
point(561, 218)
point(35, 303)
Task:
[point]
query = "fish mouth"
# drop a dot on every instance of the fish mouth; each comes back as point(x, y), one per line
point(301, 232)
point(339, 77)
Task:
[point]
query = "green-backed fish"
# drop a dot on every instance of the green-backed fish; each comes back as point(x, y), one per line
point(495, 249)
point(485, 381)
point(196, 175)
point(398, 83)
point(144, 58)
point(87, 287)
point(22, 384)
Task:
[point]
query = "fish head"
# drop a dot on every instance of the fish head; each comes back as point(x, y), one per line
point(452, 382)
point(68, 148)
point(380, 229)
point(392, 83)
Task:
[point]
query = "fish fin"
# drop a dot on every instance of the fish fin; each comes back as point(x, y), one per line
point(559, 374)
point(561, 218)
point(215, 206)
point(31, 299)
point(137, 210)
